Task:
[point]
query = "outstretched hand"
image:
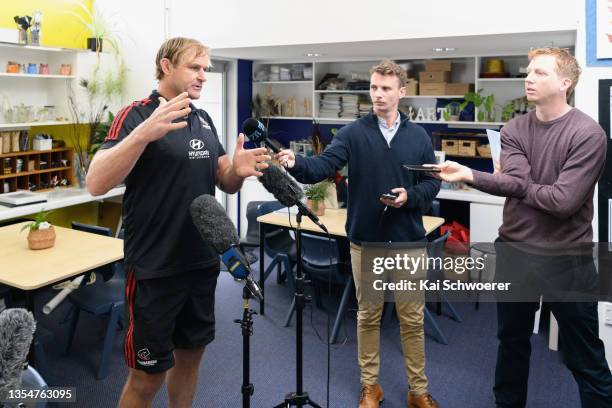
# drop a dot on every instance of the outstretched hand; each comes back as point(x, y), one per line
point(249, 162)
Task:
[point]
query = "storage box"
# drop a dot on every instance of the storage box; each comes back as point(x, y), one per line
point(458, 88)
point(434, 76)
point(450, 146)
point(432, 89)
point(42, 144)
point(412, 88)
point(438, 65)
point(484, 150)
point(467, 147)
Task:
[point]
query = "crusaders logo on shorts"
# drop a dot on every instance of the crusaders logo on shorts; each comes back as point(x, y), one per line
point(144, 357)
point(144, 354)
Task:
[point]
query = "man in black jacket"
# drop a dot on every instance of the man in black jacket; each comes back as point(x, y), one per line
point(375, 148)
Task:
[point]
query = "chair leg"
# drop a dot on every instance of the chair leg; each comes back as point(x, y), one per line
point(109, 339)
point(451, 310)
point(290, 313)
point(437, 333)
point(270, 267)
point(348, 288)
point(72, 329)
point(40, 358)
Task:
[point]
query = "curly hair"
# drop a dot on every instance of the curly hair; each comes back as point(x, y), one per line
point(388, 67)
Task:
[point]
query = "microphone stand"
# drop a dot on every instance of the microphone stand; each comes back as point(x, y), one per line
point(246, 324)
point(299, 398)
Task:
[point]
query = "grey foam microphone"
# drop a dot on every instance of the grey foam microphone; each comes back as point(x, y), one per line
point(218, 231)
point(286, 190)
point(16, 333)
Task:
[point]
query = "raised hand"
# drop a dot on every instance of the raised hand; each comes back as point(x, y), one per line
point(249, 162)
point(161, 120)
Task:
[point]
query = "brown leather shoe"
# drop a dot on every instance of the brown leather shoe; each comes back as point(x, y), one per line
point(421, 401)
point(371, 396)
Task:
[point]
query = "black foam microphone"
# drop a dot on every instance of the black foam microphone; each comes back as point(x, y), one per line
point(257, 133)
point(218, 231)
point(286, 190)
point(16, 332)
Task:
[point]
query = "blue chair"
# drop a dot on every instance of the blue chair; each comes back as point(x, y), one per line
point(278, 245)
point(251, 240)
point(317, 254)
point(436, 249)
point(101, 298)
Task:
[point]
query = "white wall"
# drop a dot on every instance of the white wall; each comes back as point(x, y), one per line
point(242, 23)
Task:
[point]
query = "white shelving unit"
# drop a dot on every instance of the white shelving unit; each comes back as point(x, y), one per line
point(464, 70)
point(37, 90)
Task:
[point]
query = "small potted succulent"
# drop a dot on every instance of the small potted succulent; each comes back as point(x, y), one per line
point(42, 234)
point(316, 194)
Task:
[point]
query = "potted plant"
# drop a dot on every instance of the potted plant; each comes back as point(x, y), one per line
point(97, 27)
point(488, 102)
point(316, 194)
point(42, 234)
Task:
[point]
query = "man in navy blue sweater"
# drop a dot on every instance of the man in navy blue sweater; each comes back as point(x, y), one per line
point(375, 148)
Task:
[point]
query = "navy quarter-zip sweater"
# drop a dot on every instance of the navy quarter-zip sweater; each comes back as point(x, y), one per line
point(375, 168)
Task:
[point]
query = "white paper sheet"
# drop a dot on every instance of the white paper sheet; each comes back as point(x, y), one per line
point(495, 143)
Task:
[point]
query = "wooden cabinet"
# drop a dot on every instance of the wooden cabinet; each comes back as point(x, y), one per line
point(36, 170)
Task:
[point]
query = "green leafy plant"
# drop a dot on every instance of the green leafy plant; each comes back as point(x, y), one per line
point(41, 217)
point(318, 191)
point(488, 102)
point(507, 111)
point(97, 25)
point(101, 133)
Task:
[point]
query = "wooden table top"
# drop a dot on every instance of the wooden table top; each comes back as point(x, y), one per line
point(334, 220)
point(74, 252)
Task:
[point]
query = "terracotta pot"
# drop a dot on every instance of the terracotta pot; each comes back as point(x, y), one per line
point(41, 239)
point(317, 207)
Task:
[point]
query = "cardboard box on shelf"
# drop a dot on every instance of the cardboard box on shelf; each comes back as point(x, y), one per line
point(450, 146)
point(467, 148)
point(434, 76)
point(458, 88)
point(433, 88)
point(412, 88)
point(438, 65)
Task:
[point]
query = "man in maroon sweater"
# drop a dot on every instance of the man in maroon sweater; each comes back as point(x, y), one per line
point(551, 160)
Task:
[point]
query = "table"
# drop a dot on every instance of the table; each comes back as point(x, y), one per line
point(74, 253)
point(334, 220)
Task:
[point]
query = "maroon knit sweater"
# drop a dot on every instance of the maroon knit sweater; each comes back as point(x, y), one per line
point(549, 173)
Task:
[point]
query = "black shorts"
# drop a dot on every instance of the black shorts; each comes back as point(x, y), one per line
point(164, 314)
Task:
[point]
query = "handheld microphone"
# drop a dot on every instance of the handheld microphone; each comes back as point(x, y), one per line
point(16, 331)
point(256, 132)
point(217, 230)
point(286, 190)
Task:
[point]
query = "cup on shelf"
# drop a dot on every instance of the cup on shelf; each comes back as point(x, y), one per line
point(43, 69)
point(32, 68)
point(12, 67)
point(65, 69)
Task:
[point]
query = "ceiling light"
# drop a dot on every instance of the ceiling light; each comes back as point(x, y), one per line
point(443, 49)
point(314, 54)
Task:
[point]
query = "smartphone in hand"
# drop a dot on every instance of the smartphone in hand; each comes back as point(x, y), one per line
point(389, 196)
point(425, 168)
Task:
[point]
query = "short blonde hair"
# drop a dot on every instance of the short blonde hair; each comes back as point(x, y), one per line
point(567, 66)
point(174, 49)
point(388, 67)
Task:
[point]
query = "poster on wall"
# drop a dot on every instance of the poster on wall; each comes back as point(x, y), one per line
point(604, 29)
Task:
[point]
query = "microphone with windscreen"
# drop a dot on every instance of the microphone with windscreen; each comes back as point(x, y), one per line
point(218, 231)
point(17, 328)
point(256, 132)
point(286, 190)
